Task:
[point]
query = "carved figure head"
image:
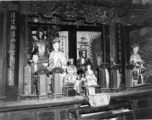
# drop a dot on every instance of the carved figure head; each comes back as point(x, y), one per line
point(40, 33)
point(56, 44)
point(83, 54)
point(71, 61)
point(135, 49)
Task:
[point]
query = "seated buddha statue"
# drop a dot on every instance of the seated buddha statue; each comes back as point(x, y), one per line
point(71, 76)
point(82, 62)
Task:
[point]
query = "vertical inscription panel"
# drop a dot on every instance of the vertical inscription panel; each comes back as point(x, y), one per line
point(13, 46)
point(27, 80)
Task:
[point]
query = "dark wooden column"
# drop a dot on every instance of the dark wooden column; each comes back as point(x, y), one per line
point(105, 43)
point(121, 47)
point(72, 44)
point(23, 52)
point(12, 51)
point(3, 48)
point(113, 48)
point(113, 44)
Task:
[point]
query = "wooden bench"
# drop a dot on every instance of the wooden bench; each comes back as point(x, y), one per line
point(108, 111)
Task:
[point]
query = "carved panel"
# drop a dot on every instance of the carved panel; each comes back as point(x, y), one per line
point(46, 115)
point(25, 115)
point(145, 114)
point(143, 104)
point(63, 114)
point(67, 10)
point(137, 16)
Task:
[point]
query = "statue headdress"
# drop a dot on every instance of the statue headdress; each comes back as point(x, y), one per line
point(40, 29)
point(135, 45)
point(55, 40)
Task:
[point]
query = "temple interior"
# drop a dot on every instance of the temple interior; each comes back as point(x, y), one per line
point(76, 60)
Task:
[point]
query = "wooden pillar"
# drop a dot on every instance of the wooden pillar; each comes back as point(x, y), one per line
point(12, 51)
point(105, 44)
point(113, 47)
point(122, 46)
point(3, 48)
point(72, 44)
point(23, 52)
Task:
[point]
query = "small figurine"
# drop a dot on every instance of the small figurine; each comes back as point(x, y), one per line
point(90, 81)
point(82, 62)
point(71, 77)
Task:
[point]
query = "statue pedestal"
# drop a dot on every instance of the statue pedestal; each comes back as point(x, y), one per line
point(115, 76)
point(103, 76)
point(128, 75)
point(91, 89)
point(42, 81)
point(42, 84)
point(57, 82)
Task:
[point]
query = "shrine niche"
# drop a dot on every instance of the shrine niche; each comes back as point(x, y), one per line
point(90, 42)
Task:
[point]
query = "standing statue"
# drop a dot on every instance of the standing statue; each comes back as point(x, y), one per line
point(39, 51)
point(57, 65)
point(137, 62)
point(90, 81)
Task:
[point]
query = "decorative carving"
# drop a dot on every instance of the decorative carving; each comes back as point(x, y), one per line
point(138, 17)
point(4, 6)
point(66, 10)
point(95, 50)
